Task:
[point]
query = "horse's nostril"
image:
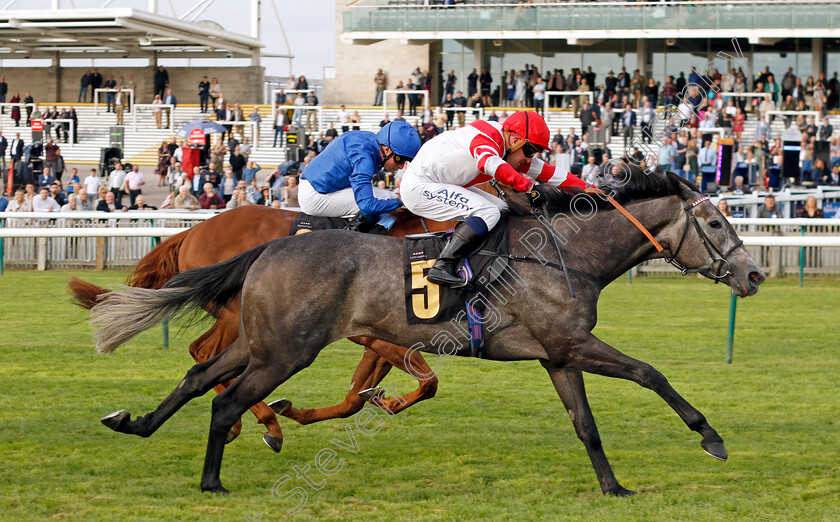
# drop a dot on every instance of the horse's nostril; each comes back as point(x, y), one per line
point(756, 276)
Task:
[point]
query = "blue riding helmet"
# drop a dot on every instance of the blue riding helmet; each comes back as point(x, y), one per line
point(401, 138)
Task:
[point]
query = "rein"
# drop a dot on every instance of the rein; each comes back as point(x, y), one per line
point(690, 218)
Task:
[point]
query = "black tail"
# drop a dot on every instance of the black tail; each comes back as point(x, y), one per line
point(216, 285)
point(122, 315)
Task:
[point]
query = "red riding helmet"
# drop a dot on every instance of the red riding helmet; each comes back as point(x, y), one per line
point(529, 126)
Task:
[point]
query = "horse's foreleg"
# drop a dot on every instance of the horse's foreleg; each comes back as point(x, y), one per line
point(222, 334)
point(415, 366)
point(369, 372)
point(596, 356)
point(569, 385)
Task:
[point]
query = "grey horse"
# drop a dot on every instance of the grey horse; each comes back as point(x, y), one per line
point(356, 287)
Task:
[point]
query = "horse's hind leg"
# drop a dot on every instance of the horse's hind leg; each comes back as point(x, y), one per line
point(596, 356)
point(258, 380)
point(411, 363)
point(569, 385)
point(369, 372)
point(221, 335)
point(198, 381)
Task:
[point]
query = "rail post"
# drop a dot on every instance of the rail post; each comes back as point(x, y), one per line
point(730, 335)
point(802, 262)
point(165, 324)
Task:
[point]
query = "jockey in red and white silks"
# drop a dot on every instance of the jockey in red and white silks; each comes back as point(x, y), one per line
point(438, 183)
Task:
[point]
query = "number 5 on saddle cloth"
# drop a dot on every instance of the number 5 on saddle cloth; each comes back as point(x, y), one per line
point(487, 271)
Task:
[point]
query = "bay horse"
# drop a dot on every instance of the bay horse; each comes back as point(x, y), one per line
point(363, 294)
point(238, 230)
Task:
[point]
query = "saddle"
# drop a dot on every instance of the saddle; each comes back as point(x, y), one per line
point(304, 223)
point(484, 269)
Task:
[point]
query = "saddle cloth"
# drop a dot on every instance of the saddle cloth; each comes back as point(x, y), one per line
point(304, 223)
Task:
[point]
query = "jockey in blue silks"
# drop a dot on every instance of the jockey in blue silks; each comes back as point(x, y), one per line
point(338, 182)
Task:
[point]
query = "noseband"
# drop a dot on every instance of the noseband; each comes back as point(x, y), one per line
point(719, 259)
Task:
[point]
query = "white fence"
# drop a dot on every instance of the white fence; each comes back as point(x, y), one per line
point(87, 239)
point(97, 239)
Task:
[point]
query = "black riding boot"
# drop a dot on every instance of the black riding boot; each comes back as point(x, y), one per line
point(362, 224)
point(445, 270)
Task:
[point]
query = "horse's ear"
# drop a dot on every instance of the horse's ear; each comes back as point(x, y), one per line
point(680, 187)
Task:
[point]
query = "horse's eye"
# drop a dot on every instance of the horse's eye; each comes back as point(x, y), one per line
point(714, 224)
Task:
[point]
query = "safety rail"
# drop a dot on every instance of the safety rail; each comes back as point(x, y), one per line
point(96, 93)
point(61, 121)
point(159, 106)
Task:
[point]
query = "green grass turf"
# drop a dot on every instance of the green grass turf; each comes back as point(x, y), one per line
point(495, 443)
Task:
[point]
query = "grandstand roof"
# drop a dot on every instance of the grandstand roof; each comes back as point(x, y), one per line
point(115, 33)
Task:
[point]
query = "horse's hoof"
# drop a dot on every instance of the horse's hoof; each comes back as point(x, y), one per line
point(273, 442)
point(280, 405)
point(621, 492)
point(370, 393)
point(715, 449)
point(116, 419)
point(231, 436)
point(215, 489)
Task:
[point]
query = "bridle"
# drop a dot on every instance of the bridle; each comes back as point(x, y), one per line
point(718, 257)
point(721, 258)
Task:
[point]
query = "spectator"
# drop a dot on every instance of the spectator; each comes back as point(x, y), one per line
point(239, 199)
point(120, 101)
point(45, 179)
point(204, 94)
point(110, 83)
point(4, 90)
point(769, 209)
point(486, 81)
point(221, 105)
point(71, 115)
point(723, 206)
point(237, 162)
point(460, 101)
point(95, 83)
point(343, 118)
point(280, 124)
point(4, 203)
point(134, 181)
point(628, 123)
point(140, 204)
point(834, 177)
point(667, 153)
point(400, 97)
point(185, 200)
point(109, 204)
point(83, 88)
point(289, 193)
point(652, 92)
point(227, 185)
point(587, 117)
point(591, 171)
point(738, 186)
point(215, 92)
point(56, 194)
point(209, 199)
point(16, 109)
point(648, 116)
point(311, 114)
point(826, 130)
point(170, 99)
point(256, 119)
point(379, 81)
point(4, 144)
point(72, 204)
point(448, 103)
point(810, 209)
point(707, 156)
point(44, 203)
point(539, 94)
point(161, 80)
point(73, 181)
point(116, 182)
point(20, 203)
point(92, 182)
point(83, 202)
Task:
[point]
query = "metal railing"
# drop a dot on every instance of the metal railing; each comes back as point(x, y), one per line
point(161, 106)
point(390, 16)
point(96, 98)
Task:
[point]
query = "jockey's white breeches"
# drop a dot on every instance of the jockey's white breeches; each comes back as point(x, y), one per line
point(444, 202)
point(341, 203)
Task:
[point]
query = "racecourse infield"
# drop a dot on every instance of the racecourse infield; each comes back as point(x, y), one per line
point(495, 443)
